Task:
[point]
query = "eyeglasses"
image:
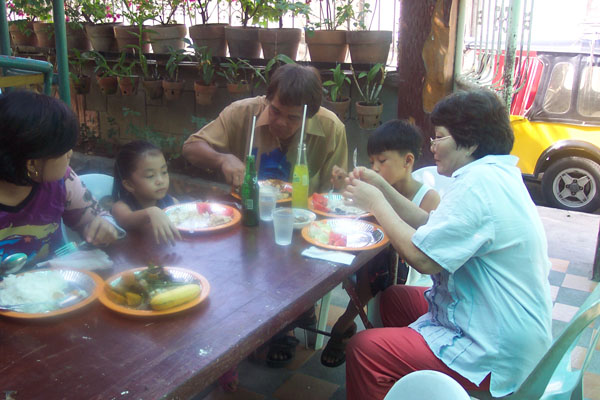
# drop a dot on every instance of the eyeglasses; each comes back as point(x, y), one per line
point(434, 142)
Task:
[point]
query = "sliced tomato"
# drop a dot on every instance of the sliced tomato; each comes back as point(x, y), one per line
point(228, 212)
point(320, 202)
point(337, 239)
point(202, 208)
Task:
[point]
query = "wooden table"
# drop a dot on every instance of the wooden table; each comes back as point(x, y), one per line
point(257, 288)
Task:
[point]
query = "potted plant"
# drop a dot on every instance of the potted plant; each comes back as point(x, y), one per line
point(367, 46)
point(168, 33)
point(235, 73)
point(137, 13)
point(172, 86)
point(105, 76)
point(151, 79)
point(79, 80)
point(75, 26)
point(281, 40)
point(205, 34)
point(101, 19)
point(205, 87)
point(335, 100)
point(326, 43)
point(41, 11)
point(20, 24)
point(243, 40)
point(128, 81)
point(369, 109)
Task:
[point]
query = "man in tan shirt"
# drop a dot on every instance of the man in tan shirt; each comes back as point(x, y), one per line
point(223, 144)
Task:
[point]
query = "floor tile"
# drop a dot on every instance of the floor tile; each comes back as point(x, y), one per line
point(571, 297)
point(577, 356)
point(240, 394)
point(303, 387)
point(559, 265)
point(554, 292)
point(556, 278)
point(591, 386)
point(579, 283)
point(302, 355)
point(563, 312)
point(334, 313)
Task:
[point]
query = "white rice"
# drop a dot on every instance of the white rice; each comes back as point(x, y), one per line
point(39, 287)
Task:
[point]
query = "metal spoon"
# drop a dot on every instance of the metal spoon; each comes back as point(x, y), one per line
point(13, 263)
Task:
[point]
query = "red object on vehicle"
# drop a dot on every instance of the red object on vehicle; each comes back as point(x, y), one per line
point(320, 202)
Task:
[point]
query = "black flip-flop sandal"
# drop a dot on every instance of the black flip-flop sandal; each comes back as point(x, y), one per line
point(285, 345)
point(336, 348)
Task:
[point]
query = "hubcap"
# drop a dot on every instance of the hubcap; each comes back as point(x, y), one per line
point(574, 187)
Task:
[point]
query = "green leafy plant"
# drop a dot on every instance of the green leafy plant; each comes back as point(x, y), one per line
point(102, 68)
point(234, 72)
point(125, 66)
point(262, 74)
point(77, 61)
point(176, 57)
point(332, 15)
point(336, 84)
point(167, 10)
point(38, 10)
point(372, 84)
point(274, 10)
point(203, 57)
point(251, 10)
point(198, 7)
point(147, 74)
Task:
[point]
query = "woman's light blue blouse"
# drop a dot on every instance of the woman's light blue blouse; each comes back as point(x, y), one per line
point(490, 309)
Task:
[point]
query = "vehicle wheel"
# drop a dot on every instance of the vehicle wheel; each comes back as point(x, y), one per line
point(572, 183)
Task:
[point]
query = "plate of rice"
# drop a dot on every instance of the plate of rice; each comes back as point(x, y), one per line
point(198, 217)
point(42, 293)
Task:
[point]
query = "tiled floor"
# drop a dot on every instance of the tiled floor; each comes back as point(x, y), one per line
point(307, 379)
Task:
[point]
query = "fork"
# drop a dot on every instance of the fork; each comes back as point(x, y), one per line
point(355, 157)
point(69, 248)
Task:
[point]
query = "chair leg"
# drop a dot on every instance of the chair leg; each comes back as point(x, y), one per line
point(351, 290)
point(322, 321)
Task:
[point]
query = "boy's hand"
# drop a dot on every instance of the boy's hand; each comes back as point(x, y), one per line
point(367, 175)
point(338, 177)
point(162, 227)
point(100, 232)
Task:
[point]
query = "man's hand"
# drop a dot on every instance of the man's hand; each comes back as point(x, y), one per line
point(233, 169)
point(100, 232)
point(338, 176)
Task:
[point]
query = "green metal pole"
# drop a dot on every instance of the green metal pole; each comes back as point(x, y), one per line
point(19, 65)
point(5, 42)
point(62, 59)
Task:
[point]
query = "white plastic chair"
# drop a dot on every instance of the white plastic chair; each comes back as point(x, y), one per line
point(427, 385)
point(430, 176)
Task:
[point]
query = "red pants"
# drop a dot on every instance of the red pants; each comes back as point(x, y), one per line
point(377, 358)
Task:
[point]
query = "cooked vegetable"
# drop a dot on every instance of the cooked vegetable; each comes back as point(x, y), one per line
point(175, 297)
point(133, 299)
point(114, 296)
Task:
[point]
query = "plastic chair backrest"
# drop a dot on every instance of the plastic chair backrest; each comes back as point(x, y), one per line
point(430, 176)
point(100, 185)
point(553, 377)
point(427, 385)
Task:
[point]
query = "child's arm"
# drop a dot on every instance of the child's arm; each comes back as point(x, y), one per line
point(162, 227)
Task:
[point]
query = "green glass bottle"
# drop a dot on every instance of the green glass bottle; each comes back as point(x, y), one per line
point(250, 194)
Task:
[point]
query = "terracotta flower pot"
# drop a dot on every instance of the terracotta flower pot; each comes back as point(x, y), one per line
point(81, 85)
point(102, 36)
point(44, 31)
point(204, 94)
point(77, 39)
point(212, 36)
point(163, 36)
point(327, 46)
point(369, 47)
point(125, 36)
point(340, 108)
point(243, 42)
point(238, 89)
point(280, 41)
point(108, 85)
point(128, 85)
point(172, 90)
point(153, 88)
point(369, 117)
point(21, 33)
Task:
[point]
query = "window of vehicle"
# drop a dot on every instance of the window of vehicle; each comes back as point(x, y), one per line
point(558, 95)
point(588, 100)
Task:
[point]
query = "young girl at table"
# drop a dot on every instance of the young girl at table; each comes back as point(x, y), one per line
point(140, 191)
point(37, 187)
point(393, 149)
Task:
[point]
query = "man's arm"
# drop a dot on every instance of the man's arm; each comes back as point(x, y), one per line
point(201, 154)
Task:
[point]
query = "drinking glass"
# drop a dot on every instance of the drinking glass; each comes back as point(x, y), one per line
point(267, 200)
point(283, 223)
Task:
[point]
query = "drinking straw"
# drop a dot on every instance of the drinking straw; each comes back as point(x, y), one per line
point(302, 133)
point(252, 135)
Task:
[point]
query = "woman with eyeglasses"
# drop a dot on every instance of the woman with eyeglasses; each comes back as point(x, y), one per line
point(486, 321)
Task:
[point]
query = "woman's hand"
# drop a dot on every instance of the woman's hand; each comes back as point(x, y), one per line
point(162, 227)
point(338, 177)
point(363, 194)
point(100, 232)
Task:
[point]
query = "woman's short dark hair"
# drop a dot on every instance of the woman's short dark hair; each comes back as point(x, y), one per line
point(33, 126)
point(297, 85)
point(126, 163)
point(476, 117)
point(397, 135)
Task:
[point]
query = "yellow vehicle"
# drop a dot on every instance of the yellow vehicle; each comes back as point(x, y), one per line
point(556, 121)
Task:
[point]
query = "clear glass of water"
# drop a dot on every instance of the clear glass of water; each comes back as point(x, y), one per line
point(267, 200)
point(283, 223)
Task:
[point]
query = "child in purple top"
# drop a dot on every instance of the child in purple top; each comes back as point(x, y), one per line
point(140, 190)
point(37, 188)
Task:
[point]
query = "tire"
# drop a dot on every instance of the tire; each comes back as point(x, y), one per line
point(572, 183)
